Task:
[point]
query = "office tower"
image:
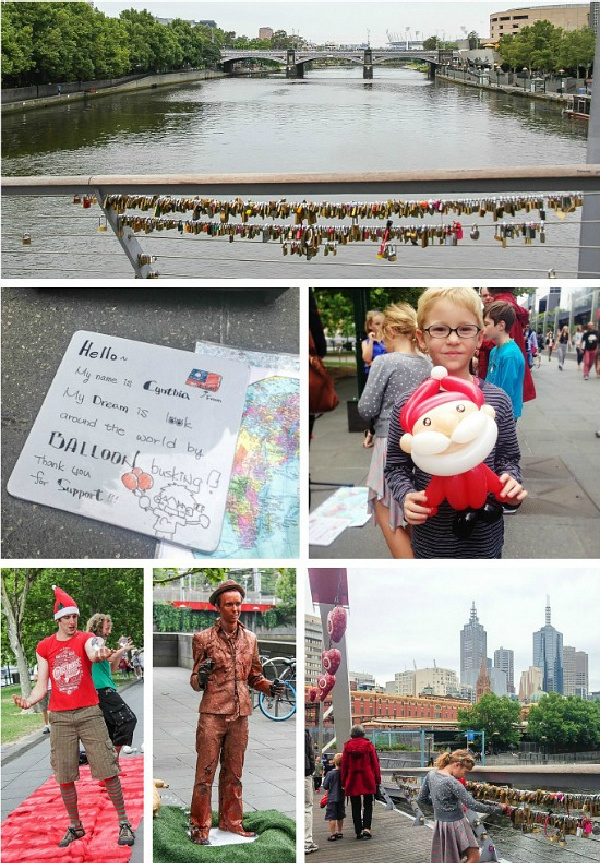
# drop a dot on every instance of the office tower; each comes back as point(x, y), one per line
point(568, 670)
point(548, 654)
point(582, 682)
point(473, 649)
point(505, 660)
point(530, 682)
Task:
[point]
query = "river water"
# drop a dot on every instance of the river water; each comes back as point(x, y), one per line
point(331, 121)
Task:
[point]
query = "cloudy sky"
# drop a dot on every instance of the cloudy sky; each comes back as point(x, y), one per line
point(416, 611)
point(338, 21)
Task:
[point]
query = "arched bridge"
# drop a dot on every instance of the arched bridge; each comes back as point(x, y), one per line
point(295, 60)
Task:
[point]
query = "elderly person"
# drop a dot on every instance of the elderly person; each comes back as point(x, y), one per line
point(360, 777)
point(226, 664)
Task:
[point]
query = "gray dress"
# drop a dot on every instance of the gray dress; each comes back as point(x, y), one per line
point(452, 833)
point(390, 376)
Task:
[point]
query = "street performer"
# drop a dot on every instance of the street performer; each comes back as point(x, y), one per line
point(226, 664)
point(67, 657)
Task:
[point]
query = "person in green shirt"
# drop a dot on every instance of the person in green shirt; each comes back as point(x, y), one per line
point(118, 715)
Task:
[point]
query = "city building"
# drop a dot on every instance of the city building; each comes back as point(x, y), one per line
point(483, 680)
point(395, 711)
point(313, 647)
point(568, 16)
point(265, 33)
point(473, 649)
point(548, 654)
point(362, 680)
point(505, 660)
point(530, 682)
point(582, 681)
point(568, 670)
point(498, 681)
point(441, 681)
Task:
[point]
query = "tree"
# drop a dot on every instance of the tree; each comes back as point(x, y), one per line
point(212, 575)
point(336, 306)
point(473, 38)
point(497, 717)
point(565, 723)
point(285, 588)
point(16, 584)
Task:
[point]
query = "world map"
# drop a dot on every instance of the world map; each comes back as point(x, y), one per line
point(262, 516)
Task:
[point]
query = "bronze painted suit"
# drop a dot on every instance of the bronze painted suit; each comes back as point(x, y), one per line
point(222, 732)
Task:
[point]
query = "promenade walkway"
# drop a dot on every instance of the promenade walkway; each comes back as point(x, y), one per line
point(560, 458)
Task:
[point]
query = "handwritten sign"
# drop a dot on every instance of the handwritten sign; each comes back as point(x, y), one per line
point(138, 435)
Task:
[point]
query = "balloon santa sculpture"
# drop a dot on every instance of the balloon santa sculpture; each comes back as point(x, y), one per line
point(331, 658)
point(450, 431)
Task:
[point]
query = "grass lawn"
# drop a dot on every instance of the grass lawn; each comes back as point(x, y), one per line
point(276, 841)
point(16, 724)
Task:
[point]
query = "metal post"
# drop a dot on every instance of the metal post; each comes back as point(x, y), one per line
point(367, 63)
point(422, 734)
point(482, 747)
point(589, 258)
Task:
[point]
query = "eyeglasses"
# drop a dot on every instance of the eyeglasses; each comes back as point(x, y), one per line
point(441, 331)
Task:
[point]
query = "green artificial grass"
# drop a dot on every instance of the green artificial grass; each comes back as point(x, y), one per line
point(276, 842)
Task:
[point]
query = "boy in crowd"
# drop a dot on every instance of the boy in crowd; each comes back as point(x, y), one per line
point(507, 365)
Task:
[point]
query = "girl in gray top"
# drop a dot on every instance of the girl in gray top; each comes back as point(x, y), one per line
point(401, 369)
point(453, 837)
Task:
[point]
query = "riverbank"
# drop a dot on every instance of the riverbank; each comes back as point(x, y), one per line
point(480, 84)
point(148, 82)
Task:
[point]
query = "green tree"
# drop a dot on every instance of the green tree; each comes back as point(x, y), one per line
point(285, 588)
point(497, 717)
point(565, 723)
point(337, 305)
point(473, 38)
point(576, 52)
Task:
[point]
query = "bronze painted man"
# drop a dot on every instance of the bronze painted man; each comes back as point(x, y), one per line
point(226, 665)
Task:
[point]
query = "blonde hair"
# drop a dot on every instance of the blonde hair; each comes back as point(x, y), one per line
point(400, 318)
point(466, 297)
point(369, 319)
point(459, 756)
point(337, 758)
point(96, 623)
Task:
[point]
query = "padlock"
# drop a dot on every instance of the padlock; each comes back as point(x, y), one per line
point(102, 226)
point(474, 233)
point(26, 239)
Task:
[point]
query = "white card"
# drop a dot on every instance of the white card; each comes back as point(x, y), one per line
point(138, 435)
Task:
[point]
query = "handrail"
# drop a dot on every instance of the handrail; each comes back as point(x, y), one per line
point(573, 177)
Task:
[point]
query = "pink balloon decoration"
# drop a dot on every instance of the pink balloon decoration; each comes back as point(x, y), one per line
point(336, 623)
point(331, 660)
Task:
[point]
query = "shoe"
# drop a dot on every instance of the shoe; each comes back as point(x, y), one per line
point(72, 834)
point(312, 846)
point(598, 433)
point(246, 834)
point(126, 836)
point(46, 729)
point(332, 838)
point(366, 835)
point(560, 367)
point(339, 835)
point(586, 377)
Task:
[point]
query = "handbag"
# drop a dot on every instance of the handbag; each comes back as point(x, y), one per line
point(322, 396)
point(323, 801)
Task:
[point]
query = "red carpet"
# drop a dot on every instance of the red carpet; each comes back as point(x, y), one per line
point(34, 829)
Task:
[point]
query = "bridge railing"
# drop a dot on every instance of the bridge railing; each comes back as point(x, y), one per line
point(315, 187)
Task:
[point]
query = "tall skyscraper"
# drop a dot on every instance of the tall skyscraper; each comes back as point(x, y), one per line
point(473, 649)
point(548, 654)
point(505, 660)
point(568, 670)
point(582, 683)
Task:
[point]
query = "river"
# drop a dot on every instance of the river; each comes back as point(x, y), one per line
point(332, 120)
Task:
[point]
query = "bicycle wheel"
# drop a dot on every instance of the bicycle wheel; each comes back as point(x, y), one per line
point(274, 668)
point(278, 707)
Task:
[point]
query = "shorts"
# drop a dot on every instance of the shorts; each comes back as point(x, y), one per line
point(67, 728)
point(335, 811)
point(119, 717)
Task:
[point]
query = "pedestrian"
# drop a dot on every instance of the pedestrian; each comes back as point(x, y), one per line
point(335, 811)
point(318, 774)
point(400, 369)
point(590, 350)
point(118, 715)
point(309, 769)
point(550, 344)
point(450, 330)
point(372, 346)
point(561, 349)
point(141, 658)
point(531, 344)
point(67, 657)
point(482, 355)
point(226, 665)
point(135, 661)
point(360, 774)
point(578, 343)
point(507, 366)
point(43, 704)
point(540, 342)
point(453, 838)
point(506, 295)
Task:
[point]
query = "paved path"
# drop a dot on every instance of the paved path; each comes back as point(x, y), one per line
point(270, 765)
point(26, 764)
point(37, 326)
point(561, 462)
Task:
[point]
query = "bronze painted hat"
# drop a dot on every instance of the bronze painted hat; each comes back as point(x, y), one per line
point(223, 588)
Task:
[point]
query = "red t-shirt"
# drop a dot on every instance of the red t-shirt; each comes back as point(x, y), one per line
point(70, 672)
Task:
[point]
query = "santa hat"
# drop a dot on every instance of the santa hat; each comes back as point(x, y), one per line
point(64, 604)
point(437, 390)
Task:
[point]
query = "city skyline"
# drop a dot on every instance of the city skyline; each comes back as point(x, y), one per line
point(323, 22)
point(510, 607)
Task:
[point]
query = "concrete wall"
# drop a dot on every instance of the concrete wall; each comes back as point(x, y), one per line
point(35, 97)
point(175, 648)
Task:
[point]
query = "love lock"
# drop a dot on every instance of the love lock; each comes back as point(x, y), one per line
point(474, 233)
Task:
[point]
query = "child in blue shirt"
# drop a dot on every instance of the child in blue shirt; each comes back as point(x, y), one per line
point(506, 367)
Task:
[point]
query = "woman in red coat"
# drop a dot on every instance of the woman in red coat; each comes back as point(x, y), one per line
point(360, 776)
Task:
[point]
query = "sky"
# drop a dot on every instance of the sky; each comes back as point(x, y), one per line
point(342, 21)
point(395, 618)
